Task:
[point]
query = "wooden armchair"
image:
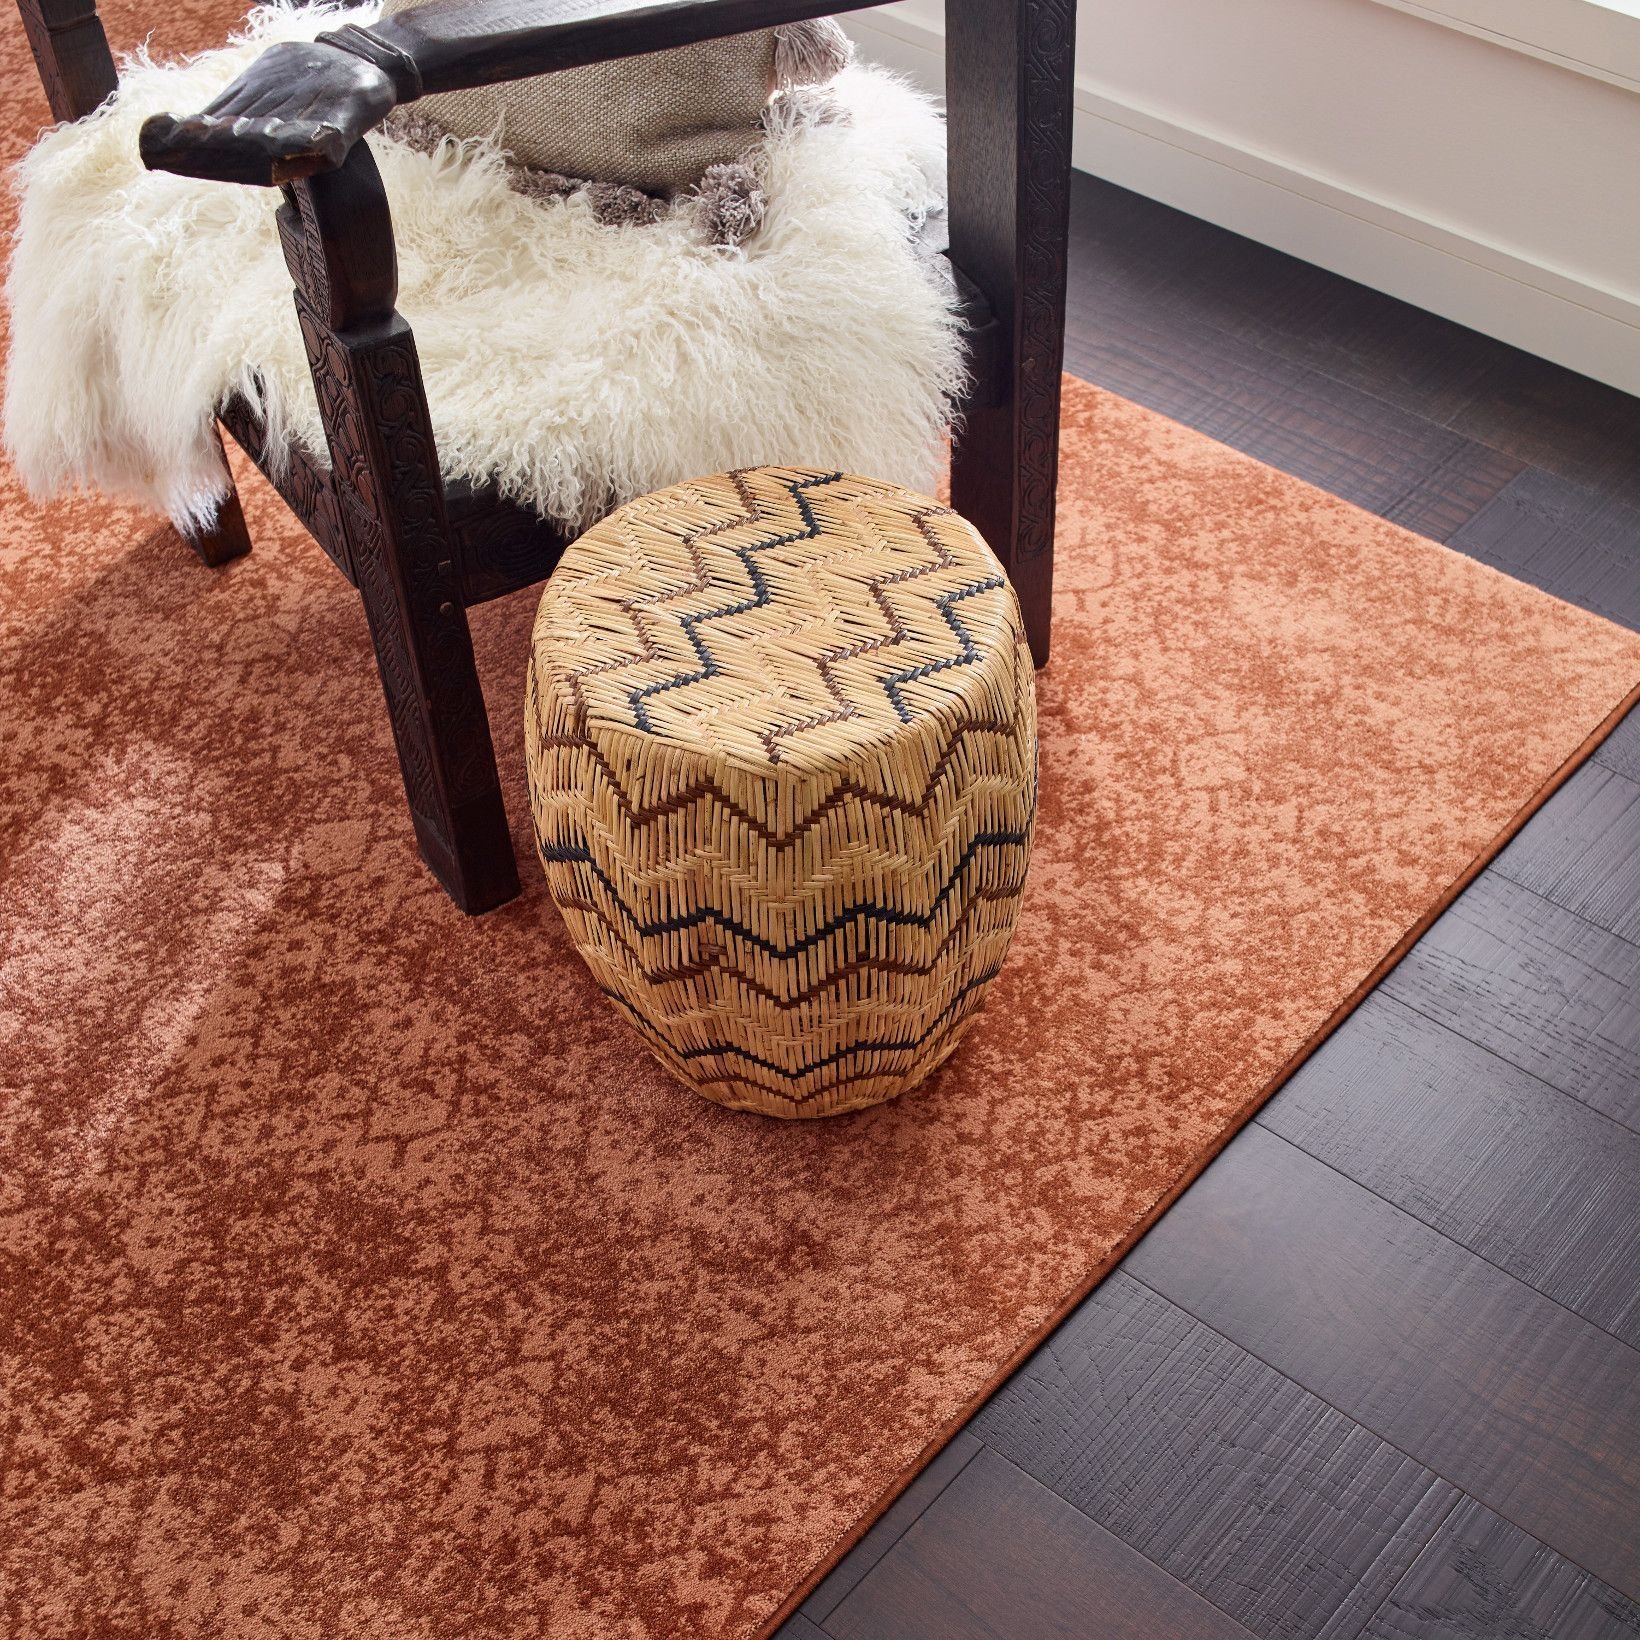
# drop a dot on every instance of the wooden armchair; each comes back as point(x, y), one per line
point(421, 551)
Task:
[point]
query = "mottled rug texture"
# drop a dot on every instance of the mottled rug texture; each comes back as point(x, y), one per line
point(362, 1276)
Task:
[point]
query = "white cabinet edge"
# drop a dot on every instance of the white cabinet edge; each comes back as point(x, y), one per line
point(1269, 198)
point(1586, 36)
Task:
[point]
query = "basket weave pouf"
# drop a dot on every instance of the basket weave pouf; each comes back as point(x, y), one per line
point(781, 728)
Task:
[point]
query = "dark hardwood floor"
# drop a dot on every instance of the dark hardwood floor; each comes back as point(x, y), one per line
point(1377, 1373)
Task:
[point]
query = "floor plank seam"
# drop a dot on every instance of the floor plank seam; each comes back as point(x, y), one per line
point(1389, 995)
point(1326, 1631)
point(1258, 349)
point(1395, 1446)
point(1201, 1594)
point(1537, 893)
point(1501, 864)
point(1450, 1240)
point(1099, 1526)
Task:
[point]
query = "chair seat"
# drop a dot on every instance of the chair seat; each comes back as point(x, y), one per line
point(501, 545)
point(573, 360)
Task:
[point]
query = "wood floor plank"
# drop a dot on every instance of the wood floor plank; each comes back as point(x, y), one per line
point(1499, 1390)
point(1150, 277)
point(1134, 253)
point(999, 1557)
point(1140, 253)
point(1483, 1579)
point(1139, 267)
point(1579, 543)
point(1343, 441)
point(1376, 343)
point(1566, 424)
point(1537, 985)
point(1462, 481)
point(1535, 1182)
point(1174, 360)
point(895, 1522)
point(1251, 1491)
point(1582, 850)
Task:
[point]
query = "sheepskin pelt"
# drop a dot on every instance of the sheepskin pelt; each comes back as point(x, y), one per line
point(575, 361)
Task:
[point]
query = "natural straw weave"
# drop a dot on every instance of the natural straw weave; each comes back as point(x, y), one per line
point(781, 729)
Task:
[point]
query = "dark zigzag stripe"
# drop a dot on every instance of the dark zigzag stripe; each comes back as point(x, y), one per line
point(897, 633)
point(807, 1097)
point(658, 977)
point(913, 808)
point(760, 600)
point(968, 656)
point(898, 1044)
point(555, 854)
point(653, 600)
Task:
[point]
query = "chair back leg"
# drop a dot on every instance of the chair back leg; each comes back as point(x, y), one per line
point(1009, 66)
point(338, 240)
point(227, 538)
point(77, 70)
point(71, 52)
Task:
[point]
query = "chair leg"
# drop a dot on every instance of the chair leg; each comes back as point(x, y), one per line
point(227, 538)
point(1008, 92)
point(440, 729)
point(338, 241)
point(991, 489)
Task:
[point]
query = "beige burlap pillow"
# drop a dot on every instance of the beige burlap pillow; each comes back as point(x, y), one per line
point(655, 122)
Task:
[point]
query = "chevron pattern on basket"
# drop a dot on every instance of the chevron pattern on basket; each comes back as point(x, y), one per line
point(781, 730)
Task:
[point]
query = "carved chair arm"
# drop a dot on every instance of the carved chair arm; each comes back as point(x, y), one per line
point(299, 109)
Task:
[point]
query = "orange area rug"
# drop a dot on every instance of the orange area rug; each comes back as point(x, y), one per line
point(362, 1274)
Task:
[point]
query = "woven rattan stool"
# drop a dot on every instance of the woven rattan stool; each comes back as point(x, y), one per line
point(782, 752)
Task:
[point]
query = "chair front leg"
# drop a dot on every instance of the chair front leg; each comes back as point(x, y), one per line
point(338, 242)
point(1009, 67)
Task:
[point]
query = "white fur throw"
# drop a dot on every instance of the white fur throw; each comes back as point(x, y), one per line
point(577, 363)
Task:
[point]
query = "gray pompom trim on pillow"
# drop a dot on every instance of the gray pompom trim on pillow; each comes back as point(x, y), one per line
point(729, 205)
point(613, 203)
point(810, 52)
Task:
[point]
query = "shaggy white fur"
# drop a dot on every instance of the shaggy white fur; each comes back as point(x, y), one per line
point(576, 363)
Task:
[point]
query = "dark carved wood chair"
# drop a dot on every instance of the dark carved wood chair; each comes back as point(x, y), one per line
point(421, 551)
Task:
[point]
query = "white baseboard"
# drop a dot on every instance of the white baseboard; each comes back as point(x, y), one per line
point(1269, 198)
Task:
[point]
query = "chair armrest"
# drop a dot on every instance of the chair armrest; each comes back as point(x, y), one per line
point(299, 108)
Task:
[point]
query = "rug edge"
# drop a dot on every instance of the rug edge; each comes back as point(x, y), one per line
point(1353, 1000)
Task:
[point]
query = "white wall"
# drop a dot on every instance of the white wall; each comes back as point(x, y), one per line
point(1480, 158)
